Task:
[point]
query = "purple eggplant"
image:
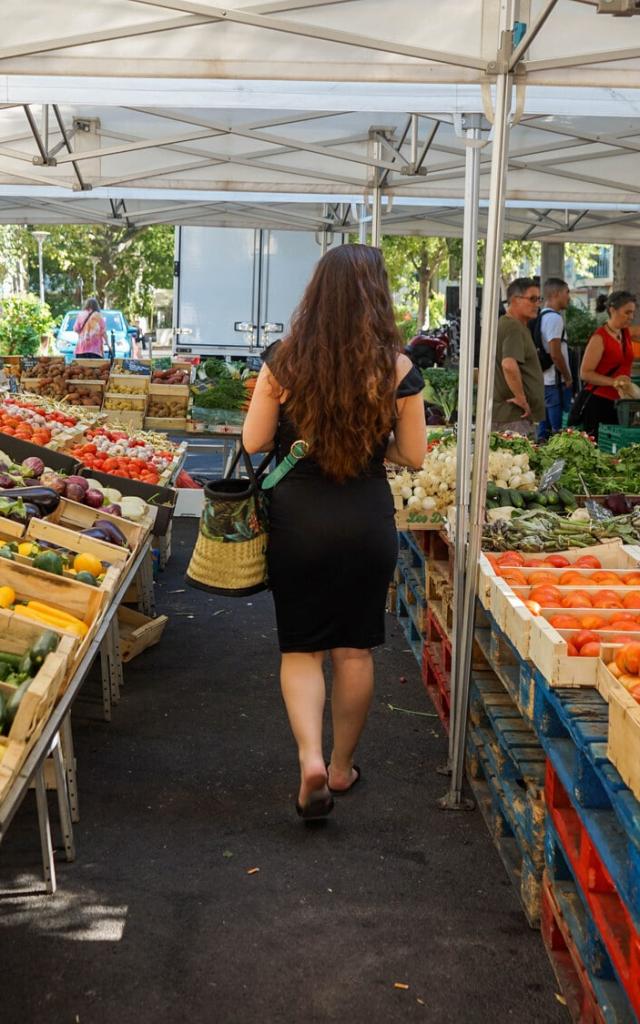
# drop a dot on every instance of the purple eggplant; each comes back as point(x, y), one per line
point(617, 503)
point(114, 534)
point(44, 498)
point(113, 510)
point(33, 466)
point(6, 482)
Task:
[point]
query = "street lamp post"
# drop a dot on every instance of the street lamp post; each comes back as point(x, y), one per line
point(94, 260)
point(40, 237)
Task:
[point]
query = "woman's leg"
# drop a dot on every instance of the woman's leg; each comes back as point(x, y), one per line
point(350, 702)
point(303, 690)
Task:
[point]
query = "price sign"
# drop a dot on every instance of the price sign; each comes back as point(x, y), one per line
point(162, 364)
point(134, 366)
point(28, 363)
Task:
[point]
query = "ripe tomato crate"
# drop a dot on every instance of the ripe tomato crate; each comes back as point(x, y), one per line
point(579, 959)
point(571, 857)
point(573, 730)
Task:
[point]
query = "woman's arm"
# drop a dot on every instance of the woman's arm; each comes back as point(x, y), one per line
point(408, 444)
point(261, 421)
point(591, 358)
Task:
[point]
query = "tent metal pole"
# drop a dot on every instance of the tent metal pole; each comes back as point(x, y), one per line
point(376, 215)
point(504, 85)
point(465, 392)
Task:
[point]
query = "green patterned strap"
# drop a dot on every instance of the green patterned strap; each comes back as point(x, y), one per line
point(298, 450)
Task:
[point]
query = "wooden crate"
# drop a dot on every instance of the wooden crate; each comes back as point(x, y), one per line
point(126, 419)
point(67, 595)
point(75, 516)
point(165, 425)
point(108, 584)
point(10, 529)
point(623, 744)
point(133, 384)
point(16, 636)
point(138, 631)
point(52, 533)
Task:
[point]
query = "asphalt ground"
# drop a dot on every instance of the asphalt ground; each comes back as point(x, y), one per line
point(197, 894)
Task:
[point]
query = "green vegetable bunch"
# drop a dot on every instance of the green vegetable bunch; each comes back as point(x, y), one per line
point(441, 389)
point(585, 465)
point(226, 394)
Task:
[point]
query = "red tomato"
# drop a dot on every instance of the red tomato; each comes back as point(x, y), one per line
point(585, 636)
point(590, 650)
point(587, 562)
point(572, 651)
point(558, 561)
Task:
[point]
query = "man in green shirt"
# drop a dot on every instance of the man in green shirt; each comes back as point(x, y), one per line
point(518, 393)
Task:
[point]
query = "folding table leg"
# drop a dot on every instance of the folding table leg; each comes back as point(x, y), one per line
point(145, 578)
point(105, 672)
point(115, 660)
point(69, 757)
point(48, 866)
point(63, 801)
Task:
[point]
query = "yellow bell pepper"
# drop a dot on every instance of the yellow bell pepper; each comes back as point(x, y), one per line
point(7, 597)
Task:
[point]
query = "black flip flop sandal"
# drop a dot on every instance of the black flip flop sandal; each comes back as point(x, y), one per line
point(317, 807)
point(342, 792)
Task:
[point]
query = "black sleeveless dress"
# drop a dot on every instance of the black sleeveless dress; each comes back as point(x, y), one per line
point(332, 549)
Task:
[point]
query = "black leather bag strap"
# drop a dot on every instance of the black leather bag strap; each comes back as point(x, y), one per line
point(254, 475)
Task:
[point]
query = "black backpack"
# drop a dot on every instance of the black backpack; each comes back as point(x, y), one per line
point(535, 327)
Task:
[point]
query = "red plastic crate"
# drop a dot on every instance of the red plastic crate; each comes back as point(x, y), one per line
point(613, 920)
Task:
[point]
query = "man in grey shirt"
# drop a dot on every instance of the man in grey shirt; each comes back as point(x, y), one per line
point(518, 395)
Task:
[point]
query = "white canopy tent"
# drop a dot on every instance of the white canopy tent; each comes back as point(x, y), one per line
point(170, 110)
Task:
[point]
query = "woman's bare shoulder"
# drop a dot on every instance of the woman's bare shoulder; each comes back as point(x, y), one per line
point(403, 365)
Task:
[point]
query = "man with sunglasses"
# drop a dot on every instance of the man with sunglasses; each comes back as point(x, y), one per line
point(518, 395)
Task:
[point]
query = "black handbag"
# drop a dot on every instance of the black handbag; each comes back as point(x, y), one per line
point(578, 406)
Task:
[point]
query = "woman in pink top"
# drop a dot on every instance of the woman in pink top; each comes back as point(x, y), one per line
point(91, 330)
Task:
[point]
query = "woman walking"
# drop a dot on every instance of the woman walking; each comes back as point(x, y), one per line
point(606, 363)
point(339, 383)
point(91, 330)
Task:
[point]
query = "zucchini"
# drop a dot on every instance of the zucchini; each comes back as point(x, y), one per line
point(567, 498)
point(14, 701)
point(45, 644)
point(552, 498)
point(492, 490)
point(12, 660)
point(505, 498)
point(516, 498)
point(26, 664)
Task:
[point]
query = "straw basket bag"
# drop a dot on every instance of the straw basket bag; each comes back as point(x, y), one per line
point(230, 553)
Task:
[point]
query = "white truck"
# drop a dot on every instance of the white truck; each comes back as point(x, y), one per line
point(236, 288)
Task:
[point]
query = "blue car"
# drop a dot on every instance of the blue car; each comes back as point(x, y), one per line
point(119, 334)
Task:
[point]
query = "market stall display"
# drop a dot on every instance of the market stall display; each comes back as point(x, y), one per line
point(553, 736)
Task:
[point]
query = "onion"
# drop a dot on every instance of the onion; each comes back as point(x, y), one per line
point(34, 465)
point(74, 492)
point(6, 481)
point(93, 498)
point(54, 481)
point(79, 481)
point(113, 510)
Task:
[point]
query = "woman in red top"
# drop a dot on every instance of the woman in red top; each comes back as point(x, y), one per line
point(606, 364)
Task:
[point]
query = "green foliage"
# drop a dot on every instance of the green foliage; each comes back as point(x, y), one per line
point(412, 264)
point(130, 263)
point(436, 309)
point(580, 324)
point(407, 323)
point(441, 390)
point(22, 320)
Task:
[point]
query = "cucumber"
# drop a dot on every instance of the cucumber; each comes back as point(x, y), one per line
point(505, 498)
point(542, 500)
point(567, 498)
point(552, 498)
point(26, 665)
point(516, 498)
point(492, 490)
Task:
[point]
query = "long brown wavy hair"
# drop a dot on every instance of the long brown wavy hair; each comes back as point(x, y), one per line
point(338, 363)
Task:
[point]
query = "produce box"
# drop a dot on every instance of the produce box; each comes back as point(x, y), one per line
point(80, 517)
point(128, 384)
point(61, 536)
point(67, 595)
point(19, 450)
point(623, 745)
point(111, 573)
point(168, 401)
point(126, 419)
point(612, 438)
point(162, 499)
point(17, 636)
point(90, 369)
point(137, 631)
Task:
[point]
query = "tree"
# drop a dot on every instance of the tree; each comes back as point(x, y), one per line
point(412, 264)
point(129, 263)
point(13, 257)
